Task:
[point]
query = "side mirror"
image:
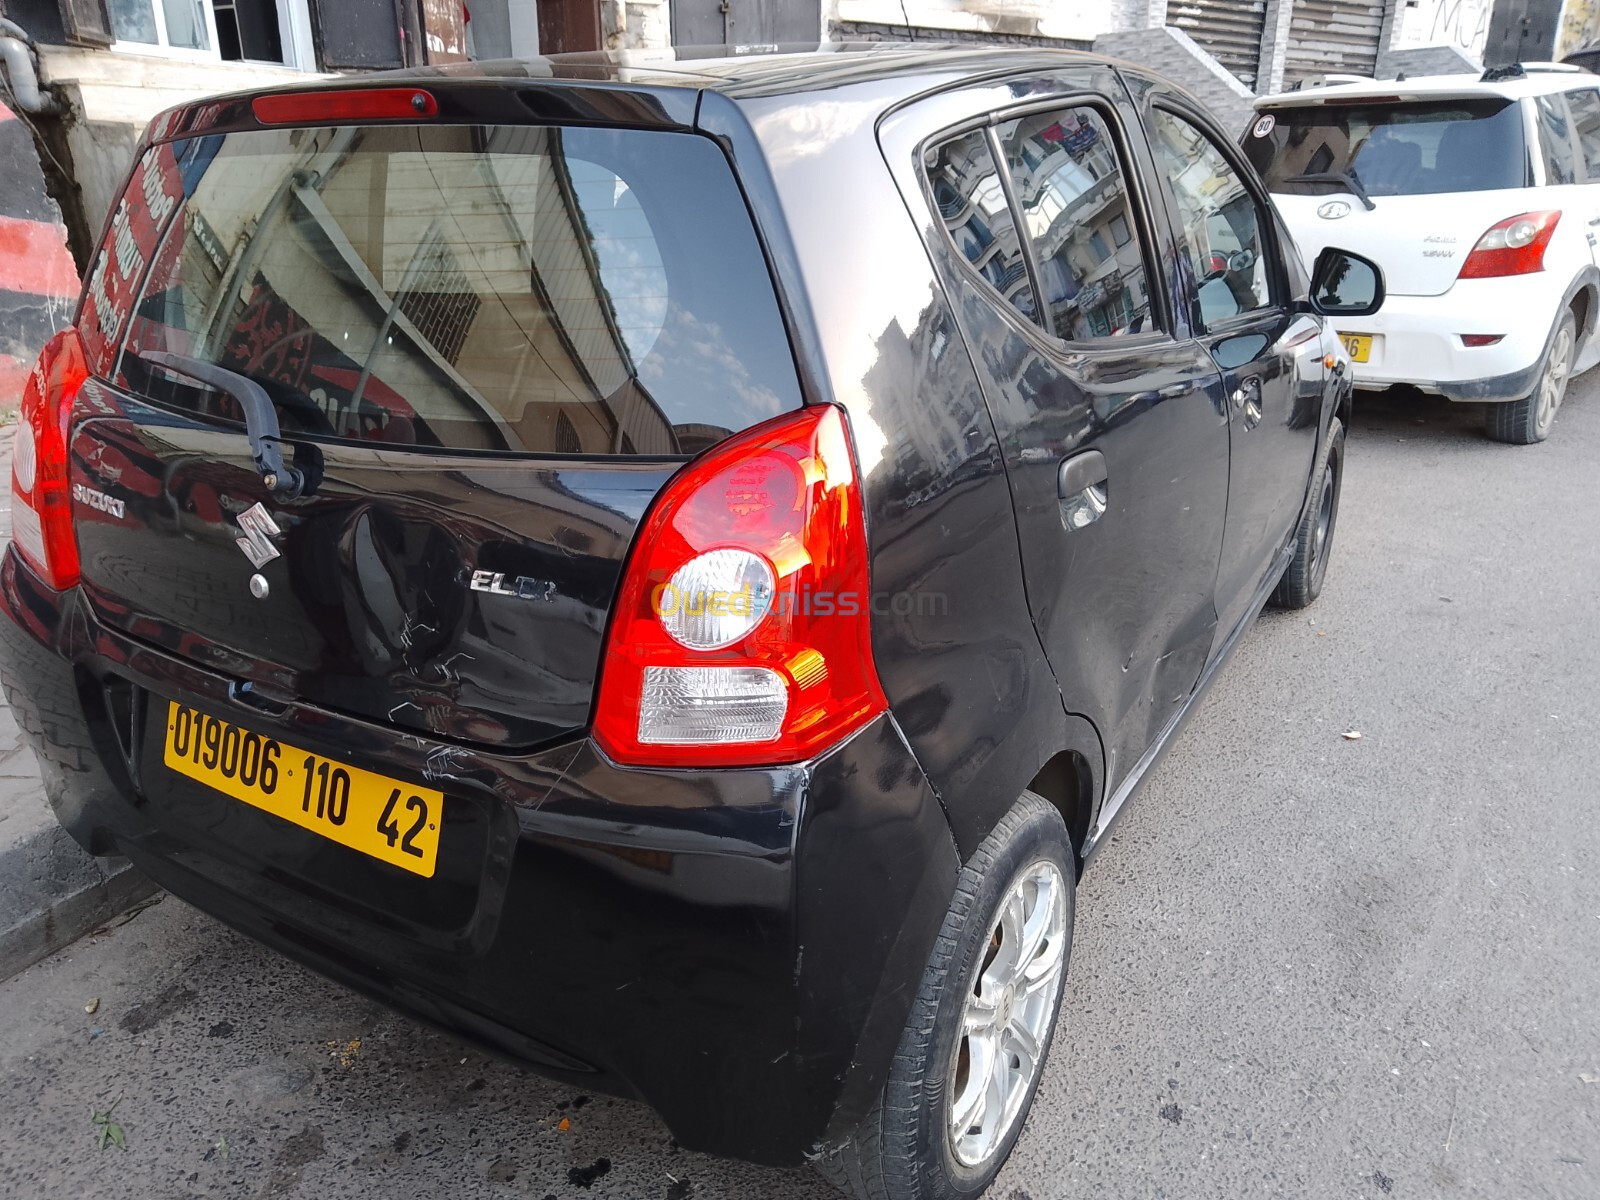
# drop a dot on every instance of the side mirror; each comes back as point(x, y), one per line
point(1346, 285)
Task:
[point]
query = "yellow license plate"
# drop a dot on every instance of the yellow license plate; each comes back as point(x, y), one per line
point(374, 814)
point(1357, 345)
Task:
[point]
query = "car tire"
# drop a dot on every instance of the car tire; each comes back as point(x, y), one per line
point(906, 1149)
point(1529, 420)
point(1302, 578)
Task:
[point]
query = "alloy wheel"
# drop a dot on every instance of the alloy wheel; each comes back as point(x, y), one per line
point(1553, 387)
point(1006, 1019)
point(1319, 541)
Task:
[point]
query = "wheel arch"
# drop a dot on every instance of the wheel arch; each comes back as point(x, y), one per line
point(1585, 307)
point(1583, 298)
point(1058, 756)
point(1067, 781)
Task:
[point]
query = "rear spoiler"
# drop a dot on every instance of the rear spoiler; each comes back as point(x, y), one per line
point(1331, 97)
point(375, 99)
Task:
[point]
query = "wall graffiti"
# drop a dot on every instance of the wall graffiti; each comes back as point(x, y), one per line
point(1580, 26)
point(1463, 24)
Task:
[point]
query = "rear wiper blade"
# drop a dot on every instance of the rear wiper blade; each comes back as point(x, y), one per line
point(260, 417)
point(1346, 180)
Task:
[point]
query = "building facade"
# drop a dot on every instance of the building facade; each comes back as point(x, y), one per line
point(105, 67)
point(85, 76)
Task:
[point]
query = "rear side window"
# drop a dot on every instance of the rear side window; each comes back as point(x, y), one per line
point(971, 202)
point(1585, 106)
point(1555, 140)
point(1408, 149)
point(524, 289)
point(1073, 194)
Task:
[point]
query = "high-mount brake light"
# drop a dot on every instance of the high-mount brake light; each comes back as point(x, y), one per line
point(1514, 246)
point(742, 630)
point(334, 105)
point(1335, 101)
point(41, 497)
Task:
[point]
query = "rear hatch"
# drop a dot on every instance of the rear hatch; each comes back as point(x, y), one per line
point(487, 346)
point(1437, 174)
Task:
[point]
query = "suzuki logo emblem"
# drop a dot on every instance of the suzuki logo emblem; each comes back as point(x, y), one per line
point(259, 530)
point(1333, 210)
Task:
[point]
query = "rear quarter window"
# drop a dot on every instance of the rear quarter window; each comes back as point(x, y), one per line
point(1585, 107)
point(972, 204)
point(1555, 140)
point(516, 289)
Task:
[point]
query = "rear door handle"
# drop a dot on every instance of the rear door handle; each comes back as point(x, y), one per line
point(1082, 489)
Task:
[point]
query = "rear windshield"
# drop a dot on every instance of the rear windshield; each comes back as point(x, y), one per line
point(1410, 149)
point(525, 289)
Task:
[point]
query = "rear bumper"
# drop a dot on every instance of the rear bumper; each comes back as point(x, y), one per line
point(737, 948)
point(1417, 339)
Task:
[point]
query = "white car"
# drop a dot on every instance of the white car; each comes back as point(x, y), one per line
point(1480, 199)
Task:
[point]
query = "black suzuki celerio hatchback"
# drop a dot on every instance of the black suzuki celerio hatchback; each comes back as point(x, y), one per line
point(669, 572)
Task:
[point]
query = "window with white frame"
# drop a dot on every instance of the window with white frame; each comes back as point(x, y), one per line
point(274, 32)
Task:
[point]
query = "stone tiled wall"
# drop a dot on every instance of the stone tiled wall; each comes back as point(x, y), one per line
point(1172, 53)
point(1426, 60)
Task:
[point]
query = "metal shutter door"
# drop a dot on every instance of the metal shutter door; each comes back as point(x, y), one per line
point(1229, 30)
point(357, 33)
point(1333, 36)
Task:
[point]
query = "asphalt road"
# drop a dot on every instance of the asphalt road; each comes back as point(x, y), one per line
point(1307, 966)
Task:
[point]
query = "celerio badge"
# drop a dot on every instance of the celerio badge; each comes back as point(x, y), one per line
point(523, 587)
point(259, 529)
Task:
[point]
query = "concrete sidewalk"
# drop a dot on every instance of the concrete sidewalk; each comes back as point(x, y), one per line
point(51, 892)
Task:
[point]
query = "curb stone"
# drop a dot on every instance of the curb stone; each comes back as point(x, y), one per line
point(51, 891)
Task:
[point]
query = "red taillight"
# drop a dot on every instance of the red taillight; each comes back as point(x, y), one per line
point(741, 634)
point(41, 499)
point(1482, 339)
point(327, 107)
point(1515, 246)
